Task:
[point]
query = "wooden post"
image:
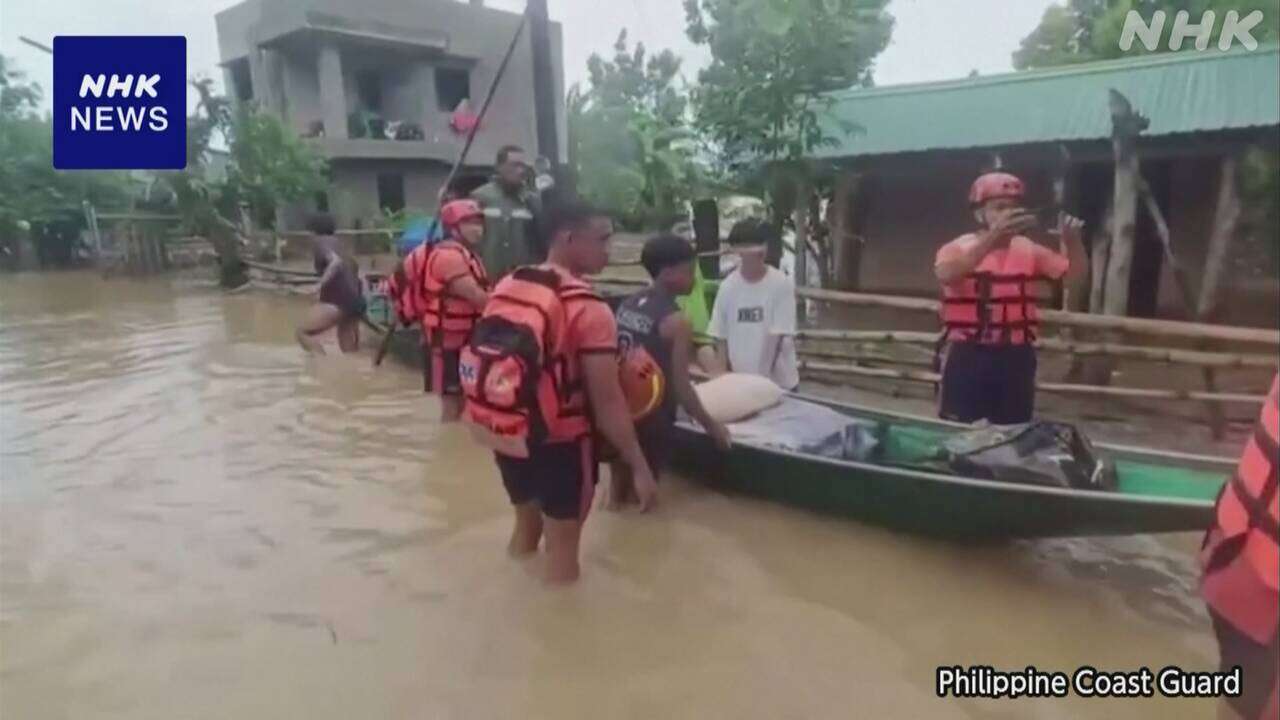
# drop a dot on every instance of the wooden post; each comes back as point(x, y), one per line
point(1112, 261)
point(845, 246)
point(800, 249)
point(1126, 125)
point(1099, 253)
point(1225, 218)
point(1180, 277)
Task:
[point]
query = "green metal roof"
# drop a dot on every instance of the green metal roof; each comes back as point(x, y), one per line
point(1181, 93)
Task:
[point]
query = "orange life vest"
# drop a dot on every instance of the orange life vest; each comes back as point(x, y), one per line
point(404, 286)
point(520, 387)
point(994, 308)
point(1248, 509)
point(447, 320)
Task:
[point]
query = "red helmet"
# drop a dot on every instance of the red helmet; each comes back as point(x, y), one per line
point(456, 211)
point(996, 185)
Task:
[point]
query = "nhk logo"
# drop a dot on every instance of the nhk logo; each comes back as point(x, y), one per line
point(1234, 29)
point(101, 117)
point(119, 102)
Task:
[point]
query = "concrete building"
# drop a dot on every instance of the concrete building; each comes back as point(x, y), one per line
point(374, 84)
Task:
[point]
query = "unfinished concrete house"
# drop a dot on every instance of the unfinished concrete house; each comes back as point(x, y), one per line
point(376, 85)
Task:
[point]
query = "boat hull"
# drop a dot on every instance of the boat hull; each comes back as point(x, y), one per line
point(926, 503)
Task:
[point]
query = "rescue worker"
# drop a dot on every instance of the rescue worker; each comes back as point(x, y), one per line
point(454, 293)
point(511, 210)
point(341, 303)
point(651, 323)
point(989, 304)
point(541, 378)
point(1241, 563)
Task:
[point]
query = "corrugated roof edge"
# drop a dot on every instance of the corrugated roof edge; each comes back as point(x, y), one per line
point(1087, 68)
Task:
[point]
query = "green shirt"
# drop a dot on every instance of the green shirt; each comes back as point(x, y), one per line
point(510, 229)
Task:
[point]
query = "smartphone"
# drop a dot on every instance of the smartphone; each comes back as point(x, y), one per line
point(1046, 218)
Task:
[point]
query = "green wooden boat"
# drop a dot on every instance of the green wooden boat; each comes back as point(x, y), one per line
point(1157, 491)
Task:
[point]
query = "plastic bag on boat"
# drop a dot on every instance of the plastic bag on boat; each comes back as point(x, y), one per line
point(805, 427)
point(1037, 453)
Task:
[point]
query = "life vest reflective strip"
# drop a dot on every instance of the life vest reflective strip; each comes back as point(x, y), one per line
point(975, 314)
point(1248, 509)
point(445, 316)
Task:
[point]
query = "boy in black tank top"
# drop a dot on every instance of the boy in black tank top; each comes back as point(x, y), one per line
point(651, 319)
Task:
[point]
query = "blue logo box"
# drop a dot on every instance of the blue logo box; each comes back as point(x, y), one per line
point(119, 102)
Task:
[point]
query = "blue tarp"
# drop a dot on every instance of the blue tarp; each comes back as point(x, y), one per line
point(416, 233)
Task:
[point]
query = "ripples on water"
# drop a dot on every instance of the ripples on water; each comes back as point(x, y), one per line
point(196, 521)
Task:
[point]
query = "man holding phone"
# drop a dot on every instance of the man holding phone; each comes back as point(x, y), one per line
point(989, 304)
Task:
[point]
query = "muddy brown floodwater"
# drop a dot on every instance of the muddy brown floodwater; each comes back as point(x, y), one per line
point(199, 522)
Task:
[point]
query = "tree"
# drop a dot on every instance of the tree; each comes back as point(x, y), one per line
point(269, 168)
point(269, 165)
point(773, 63)
point(1086, 30)
point(630, 140)
point(764, 96)
point(36, 201)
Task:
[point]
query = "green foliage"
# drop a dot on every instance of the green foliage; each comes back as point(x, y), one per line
point(1085, 30)
point(269, 165)
point(772, 62)
point(631, 143)
point(34, 196)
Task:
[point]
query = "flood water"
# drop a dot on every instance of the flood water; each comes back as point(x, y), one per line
point(196, 521)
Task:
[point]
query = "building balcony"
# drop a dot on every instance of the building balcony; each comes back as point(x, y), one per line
point(367, 149)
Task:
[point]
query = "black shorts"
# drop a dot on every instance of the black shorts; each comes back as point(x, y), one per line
point(440, 372)
point(1259, 664)
point(347, 299)
point(996, 383)
point(559, 477)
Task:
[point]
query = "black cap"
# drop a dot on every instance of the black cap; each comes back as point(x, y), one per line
point(663, 251)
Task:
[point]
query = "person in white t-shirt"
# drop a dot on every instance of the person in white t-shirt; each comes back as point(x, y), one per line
point(754, 318)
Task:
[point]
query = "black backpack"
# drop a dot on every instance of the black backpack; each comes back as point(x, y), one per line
point(1038, 453)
